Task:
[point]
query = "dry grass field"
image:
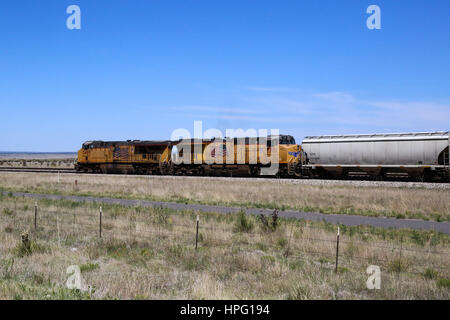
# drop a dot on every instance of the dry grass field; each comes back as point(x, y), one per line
point(419, 203)
point(37, 162)
point(150, 253)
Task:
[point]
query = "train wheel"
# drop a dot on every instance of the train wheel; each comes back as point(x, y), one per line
point(255, 171)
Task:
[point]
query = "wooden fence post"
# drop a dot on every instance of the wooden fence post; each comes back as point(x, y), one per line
point(196, 234)
point(35, 215)
point(400, 264)
point(100, 225)
point(337, 250)
point(57, 229)
point(401, 247)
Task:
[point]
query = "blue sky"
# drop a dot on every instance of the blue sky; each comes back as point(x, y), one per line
point(140, 69)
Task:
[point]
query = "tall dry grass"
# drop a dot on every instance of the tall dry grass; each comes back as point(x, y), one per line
point(418, 203)
point(149, 254)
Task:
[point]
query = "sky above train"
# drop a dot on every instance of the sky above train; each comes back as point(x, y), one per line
point(140, 69)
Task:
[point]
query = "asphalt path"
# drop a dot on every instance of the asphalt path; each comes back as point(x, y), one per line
point(348, 220)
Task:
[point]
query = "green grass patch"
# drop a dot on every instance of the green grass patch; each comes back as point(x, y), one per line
point(443, 283)
point(243, 222)
point(89, 267)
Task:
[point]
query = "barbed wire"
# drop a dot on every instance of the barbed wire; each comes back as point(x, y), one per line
point(59, 222)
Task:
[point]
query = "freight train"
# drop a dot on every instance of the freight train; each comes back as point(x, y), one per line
point(418, 156)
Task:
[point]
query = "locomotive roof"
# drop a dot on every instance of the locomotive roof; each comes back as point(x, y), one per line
point(284, 139)
point(100, 143)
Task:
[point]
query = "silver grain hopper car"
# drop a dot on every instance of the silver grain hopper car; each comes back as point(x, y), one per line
point(422, 156)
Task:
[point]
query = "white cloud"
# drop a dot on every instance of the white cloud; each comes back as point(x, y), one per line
point(215, 109)
point(336, 97)
point(329, 110)
point(270, 89)
point(267, 119)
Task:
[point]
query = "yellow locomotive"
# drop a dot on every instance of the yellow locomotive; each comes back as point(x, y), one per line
point(131, 156)
point(278, 155)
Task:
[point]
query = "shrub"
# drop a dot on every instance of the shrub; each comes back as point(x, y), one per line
point(139, 257)
point(430, 274)
point(38, 279)
point(282, 242)
point(162, 218)
point(443, 283)
point(261, 246)
point(267, 260)
point(89, 267)
point(243, 223)
point(323, 260)
point(296, 265)
point(351, 249)
point(7, 212)
point(398, 265)
point(300, 293)
point(61, 293)
point(273, 224)
point(7, 266)
point(343, 269)
point(418, 238)
point(116, 249)
point(25, 249)
point(175, 251)
point(195, 262)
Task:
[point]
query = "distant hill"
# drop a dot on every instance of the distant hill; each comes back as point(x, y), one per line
point(37, 155)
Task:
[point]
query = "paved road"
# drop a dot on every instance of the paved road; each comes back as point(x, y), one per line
point(349, 220)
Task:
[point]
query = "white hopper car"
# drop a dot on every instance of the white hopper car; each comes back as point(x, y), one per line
point(421, 156)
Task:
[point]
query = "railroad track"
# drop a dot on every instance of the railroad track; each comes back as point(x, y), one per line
point(37, 169)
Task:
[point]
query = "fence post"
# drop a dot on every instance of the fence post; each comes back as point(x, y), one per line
point(196, 234)
point(35, 215)
point(401, 247)
point(337, 250)
point(100, 225)
point(73, 224)
point(57, 230)
point(400, 264)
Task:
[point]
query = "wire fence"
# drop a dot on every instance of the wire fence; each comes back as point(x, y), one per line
point(335, 251)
